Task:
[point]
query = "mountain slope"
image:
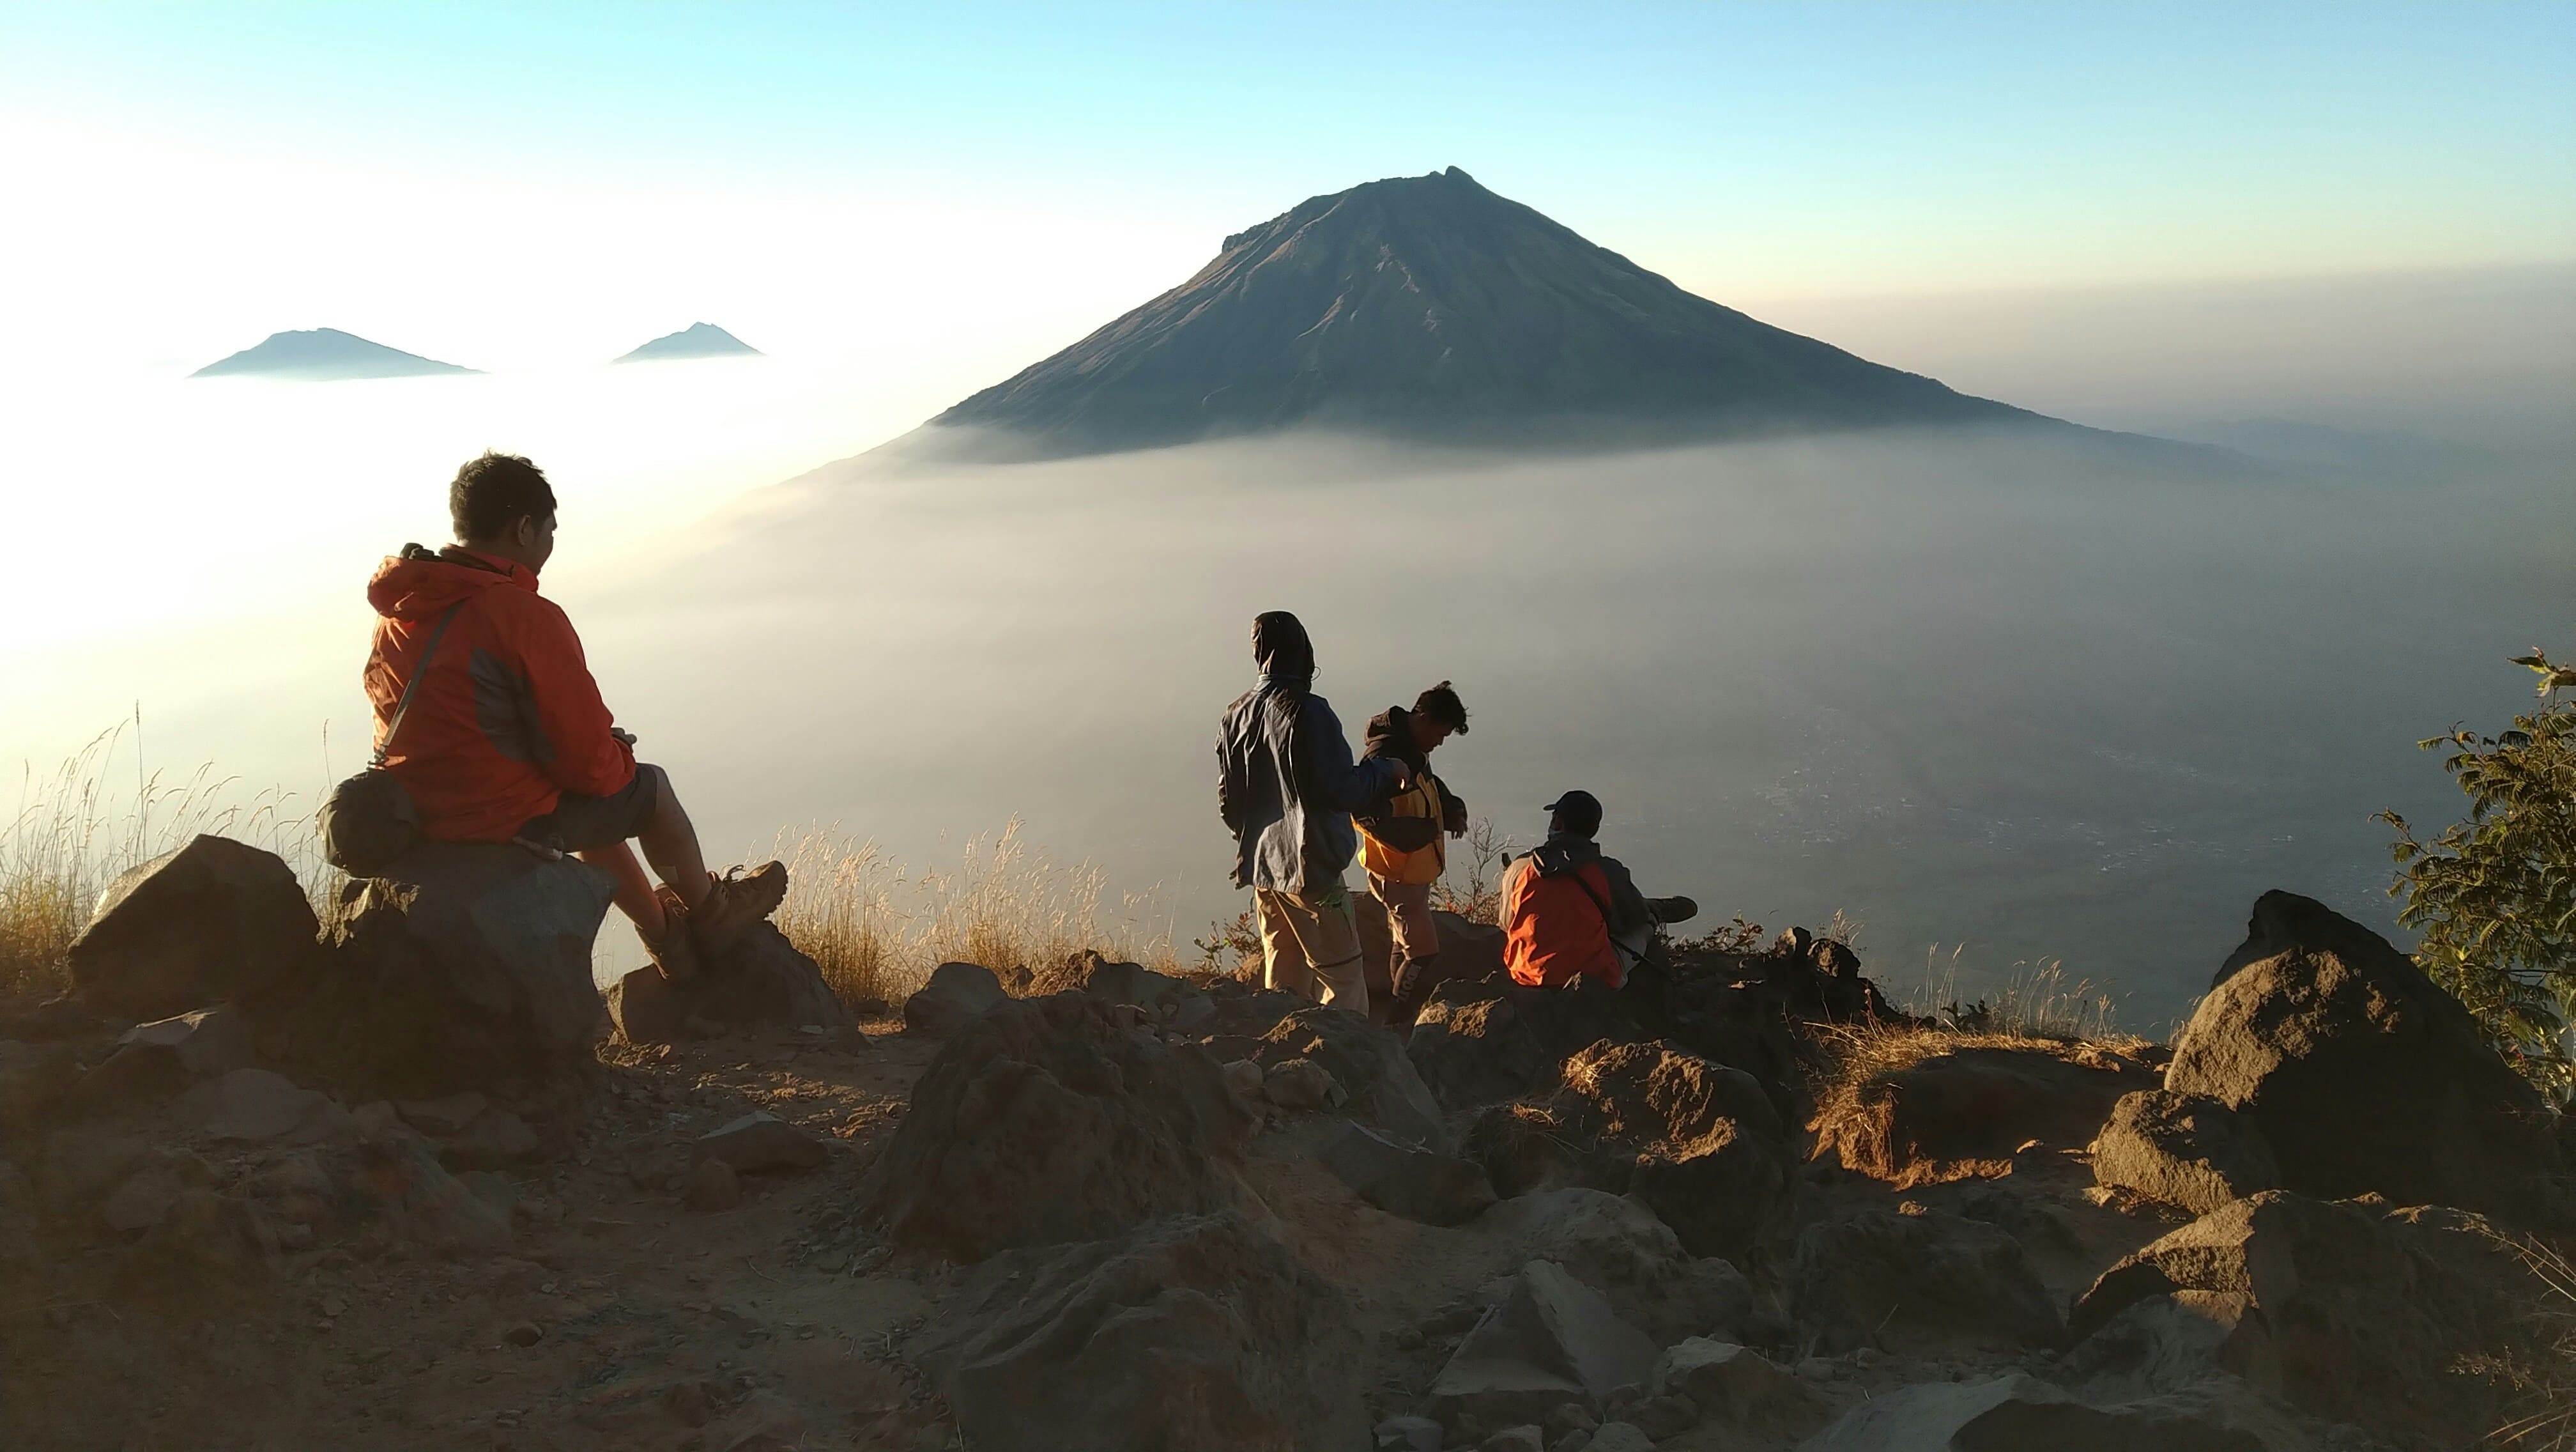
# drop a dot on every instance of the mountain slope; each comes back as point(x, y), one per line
point(697, 340)
point(1431, 306)
point(324, 353)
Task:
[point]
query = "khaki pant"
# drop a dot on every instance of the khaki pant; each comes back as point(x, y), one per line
point(1310, 948)
point(1408, 918)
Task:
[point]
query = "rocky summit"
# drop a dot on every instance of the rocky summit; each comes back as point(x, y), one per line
point(1431, 307)
point(401, 1178)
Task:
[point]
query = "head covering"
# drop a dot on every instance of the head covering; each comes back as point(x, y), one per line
point(1279, 645)
point(1441, 704)
point(1578, 812)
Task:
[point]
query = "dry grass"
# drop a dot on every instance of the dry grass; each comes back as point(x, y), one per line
point(877, 930)
point(1487, 851)
point(2549, 1384)
point(76, 829)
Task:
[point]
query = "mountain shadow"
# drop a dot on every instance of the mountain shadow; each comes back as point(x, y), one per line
point(697, 340)
point(1430, 307)
point(320, 354)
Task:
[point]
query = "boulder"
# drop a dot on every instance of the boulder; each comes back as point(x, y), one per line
point(643, 1008)
point(1043, 1122)
point(1948, 1111)
point(400, 1183)
point(761, 1141)
point(2174, 1341)
point(1527, 1147)
point(709, 1186)
point(1302, 1086)
point(1738, 1387)
point(210, 921)
point(956, 995)
point(1407, 1434)
point(1616, 1245)
point(2364, 1076)
point(1407, 1180)
point(465, 966)
point(2383, 1318)
point(1196, 1332)
point(1472, 1046)
point(1703, 1139)
point(2187, 1150)
point(759, 978)
point(1515, 1439)
point(1914, 1283)
point(2023, 1414)
point(202, 1044)
point(1552, 1340)
point(1368, 1062)
point(1619, 1437)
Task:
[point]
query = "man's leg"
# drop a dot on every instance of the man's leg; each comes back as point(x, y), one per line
point(635, 895)
point(1283, 959)
point(1332, 943)
point(1417, 944)
point(670, 843)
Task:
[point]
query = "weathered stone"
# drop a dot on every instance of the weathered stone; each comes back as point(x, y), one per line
point(1302, 1085)
point(1665, 1416)
point(33, 1079)
point(1905, 1282)
point(205, 1043)
point(213, 919)
point(711, 1185)
point(644, 1009)
point(761, 1141)
point(1531, 1147)
point(1738, 1387)
point(404, 1186)
point(252, 1104)
point(1043, 1122)
point(1472, 1047)
point(1620, 1248)
point(2172, 1342)
point(1963, 1112)
point(467, 965)
point(1705, 1141)
point(80, 1166)
point(1366, 1061)
point(1190, 1332)
point(143, 1200)
point(1243, 1079)
point(1407, 1434)
point(447, 1114)
point(956, 995)
point(1552, 1340)
point(1524, 1438)
point(2362, 1075)
point(2023, 1414)
point(1115, 982)
point(1406, 1180)
point(2187, 1150)
point(494, 1137)
point(759, 978)
point(1618, 1437)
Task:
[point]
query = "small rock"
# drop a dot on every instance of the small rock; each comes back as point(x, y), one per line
point(448, 1114)
point(761, 1141)
point(1302, 1084)
point(1407, 1180)
point(492, 1188)
point(1516, 1439)
point(1243, 1078)
point(1407, 1434)
point(1619, 1437)
point(526, 1333)
point(142, 1201)
point(956, 995)
point(711, 1186)
point(205, 1043)
point(1574, 1441)
point(251, 1104)
point(1571, 1417)
point(496, 1137)
point(1664, 1416)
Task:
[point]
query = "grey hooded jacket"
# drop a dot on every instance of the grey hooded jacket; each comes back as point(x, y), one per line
point(1286, 787)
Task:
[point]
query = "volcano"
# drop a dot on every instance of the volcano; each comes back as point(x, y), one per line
point(1431, 307)
point(323, 354)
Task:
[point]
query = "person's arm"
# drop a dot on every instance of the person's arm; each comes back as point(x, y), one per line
point(586, 755)
point(1225, 792)
point(1628, 911)
point(1453, 810)
point(1330, 774)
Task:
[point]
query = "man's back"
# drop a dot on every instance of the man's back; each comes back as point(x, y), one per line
point(1563, 904)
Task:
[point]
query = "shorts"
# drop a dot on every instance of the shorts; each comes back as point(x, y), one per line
point(581, 824)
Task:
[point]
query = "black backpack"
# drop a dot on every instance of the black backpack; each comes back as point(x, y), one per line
point(369, 819)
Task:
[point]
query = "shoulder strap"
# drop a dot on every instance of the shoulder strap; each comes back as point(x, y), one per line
point(1603, 904)
point(402, 706)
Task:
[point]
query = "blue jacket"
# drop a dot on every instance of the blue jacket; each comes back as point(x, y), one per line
point(1286, 786)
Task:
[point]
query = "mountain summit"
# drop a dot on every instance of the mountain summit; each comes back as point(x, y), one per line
point(1430, 306)
point(697, 340)
point(321, 354)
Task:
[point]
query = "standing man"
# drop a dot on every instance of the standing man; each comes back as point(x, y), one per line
point(1401, 838)
point(1286, 787)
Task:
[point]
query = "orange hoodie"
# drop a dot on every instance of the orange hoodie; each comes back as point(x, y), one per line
point(508, 719)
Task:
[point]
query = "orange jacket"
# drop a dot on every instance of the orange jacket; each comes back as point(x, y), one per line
point(508, 718)
point(1559, 903)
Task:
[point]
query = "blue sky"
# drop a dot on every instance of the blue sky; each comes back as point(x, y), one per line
point(1750, 151)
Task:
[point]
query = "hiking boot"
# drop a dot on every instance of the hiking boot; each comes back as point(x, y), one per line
point(734, 902)
point(676, 955)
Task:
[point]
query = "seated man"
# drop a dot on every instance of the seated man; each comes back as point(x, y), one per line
point(506, 738)
point(1571, 915)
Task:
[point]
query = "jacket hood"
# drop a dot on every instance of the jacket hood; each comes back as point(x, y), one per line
point(421, 581)
point(1564, 853)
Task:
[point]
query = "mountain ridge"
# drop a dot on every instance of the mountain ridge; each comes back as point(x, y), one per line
point(324, 355)
point(697, 340)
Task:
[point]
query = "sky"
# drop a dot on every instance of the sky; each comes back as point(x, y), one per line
point(517, 186)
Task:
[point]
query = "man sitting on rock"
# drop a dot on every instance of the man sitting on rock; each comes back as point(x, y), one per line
point(1286, 787)
point(1401, 838)
point(506, 739)
point(1573, 917)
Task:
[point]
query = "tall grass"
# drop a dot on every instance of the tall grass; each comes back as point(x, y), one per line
point(2037, 1000)
point(75, 829)
point(877, 930)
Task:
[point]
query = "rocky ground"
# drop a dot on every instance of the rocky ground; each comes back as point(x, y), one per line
point(1146, 1212)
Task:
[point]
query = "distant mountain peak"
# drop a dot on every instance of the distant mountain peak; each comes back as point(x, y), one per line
point(1429, 305)
point(697, 340)
point(324, 354)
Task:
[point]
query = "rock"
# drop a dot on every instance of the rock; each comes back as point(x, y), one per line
point(19, 1247)
point(956, 995)
point(417, 1200)
point(2172, 1342)
point(643, 1008)
point(494, 1137)
point(711, 1185)
point(1705, 1141)
point(1905, 1283)
point(1043, 1122)
point(1619, 1437)
point(33, 1079)
point(759, 978)
point(2023, 1414)
point(203, 1044)
point(492, 1188)
point(2376, 1317)
point(1243, 1079)
point(80, 1166)
point(1365, 1060)
point(252, 1104)
point(1617, 1246)
point(1524, 1438)
point(212, 920)
point(1665, 1416)
point(1737, 1387)
point(1530, 1147)
point(761, 1141)
point(1405, 1180)
point(2187, 1150)
point(1952, 1113)
point(448, 1114)
point(1552, 1340)
point(2362, 1075)
point(1472, 1046)
point(465, 967)
point(1300, 1085)
point(526, 1333)
point(203, 1244)
point(1113, 982)
point(1407, 1434)
point(142, 1201)
point(1193, 1332)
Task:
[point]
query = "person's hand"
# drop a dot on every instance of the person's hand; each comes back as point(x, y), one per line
point(1403, 776)
point(624, 737)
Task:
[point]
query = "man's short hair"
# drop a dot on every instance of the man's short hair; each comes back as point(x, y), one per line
point(495, 491)
point(1441, 704)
